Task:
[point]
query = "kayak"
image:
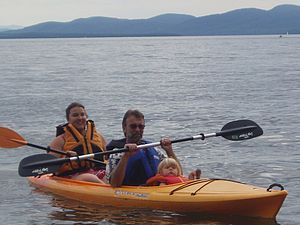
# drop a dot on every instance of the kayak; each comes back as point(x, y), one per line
point(201, 196)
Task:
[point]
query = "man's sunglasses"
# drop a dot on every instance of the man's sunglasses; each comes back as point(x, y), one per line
point(134, 126)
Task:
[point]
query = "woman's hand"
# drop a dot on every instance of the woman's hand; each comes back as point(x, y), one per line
point(71, 153)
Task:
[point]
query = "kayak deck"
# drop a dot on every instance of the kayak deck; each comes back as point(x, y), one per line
point(204, 196)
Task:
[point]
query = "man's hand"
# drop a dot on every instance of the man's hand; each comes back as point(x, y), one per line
point(132, 149)
point(166, 144)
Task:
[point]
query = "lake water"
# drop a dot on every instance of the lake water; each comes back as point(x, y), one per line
point(184, 86)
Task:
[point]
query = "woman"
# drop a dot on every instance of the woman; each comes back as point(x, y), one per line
point(79, 137)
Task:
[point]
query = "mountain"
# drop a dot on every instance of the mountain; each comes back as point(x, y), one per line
point(279, 20)
point(250, 21)
point(10, 27)
point(102, 27)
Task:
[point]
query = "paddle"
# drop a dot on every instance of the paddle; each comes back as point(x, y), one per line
point(236, 131)
point(11, 139)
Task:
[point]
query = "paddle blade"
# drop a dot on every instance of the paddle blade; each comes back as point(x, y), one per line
point(10, 139)
point(240, 130)
point(27, 171)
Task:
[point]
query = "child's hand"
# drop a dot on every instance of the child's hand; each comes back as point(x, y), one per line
point(195, 174)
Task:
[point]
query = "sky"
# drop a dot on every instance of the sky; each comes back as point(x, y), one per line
point(29, 12)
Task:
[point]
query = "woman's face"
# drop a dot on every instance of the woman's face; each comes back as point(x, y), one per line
point(170, 170)
point(77, 118)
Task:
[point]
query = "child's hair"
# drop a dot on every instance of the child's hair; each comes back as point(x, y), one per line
point(168, 162)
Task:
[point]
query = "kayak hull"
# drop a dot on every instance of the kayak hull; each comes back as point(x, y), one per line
point(203, 196)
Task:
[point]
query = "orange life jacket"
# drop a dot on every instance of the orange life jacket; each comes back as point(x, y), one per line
point(157, 179)
point(91, 142)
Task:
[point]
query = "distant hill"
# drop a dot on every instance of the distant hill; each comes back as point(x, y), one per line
point(11, 27)
point(250, 21)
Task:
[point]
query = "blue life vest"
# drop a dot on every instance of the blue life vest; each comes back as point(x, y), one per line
point(141, 166)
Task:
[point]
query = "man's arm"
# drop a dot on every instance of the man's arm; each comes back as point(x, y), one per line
point(118, 173)
point(166, 144)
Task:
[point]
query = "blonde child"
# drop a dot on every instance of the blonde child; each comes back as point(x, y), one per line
point(169, 172)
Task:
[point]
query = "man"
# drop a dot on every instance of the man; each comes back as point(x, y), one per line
point(137, 165)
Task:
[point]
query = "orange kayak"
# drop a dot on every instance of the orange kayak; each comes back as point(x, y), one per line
point(202, 196)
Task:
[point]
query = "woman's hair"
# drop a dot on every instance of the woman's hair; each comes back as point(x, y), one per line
point(168, 162)
point(71, 106)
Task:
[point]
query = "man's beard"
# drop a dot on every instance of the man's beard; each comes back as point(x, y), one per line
point(134, 138)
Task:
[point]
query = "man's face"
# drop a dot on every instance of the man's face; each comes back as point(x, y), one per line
point(134, 129)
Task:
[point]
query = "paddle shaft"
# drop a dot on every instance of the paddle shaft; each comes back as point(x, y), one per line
point(62, 152)
point(221, 133)
point(144, 146)
point(48, 149)
point(11, 139)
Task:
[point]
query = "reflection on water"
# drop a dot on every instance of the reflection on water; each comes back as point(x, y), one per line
point(67, 211)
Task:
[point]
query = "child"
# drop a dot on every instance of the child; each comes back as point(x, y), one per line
point(168, 173)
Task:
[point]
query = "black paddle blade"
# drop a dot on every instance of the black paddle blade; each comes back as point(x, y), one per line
point(240, 130)
point(27, 171)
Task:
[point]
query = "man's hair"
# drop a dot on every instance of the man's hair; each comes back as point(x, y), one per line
point(131, 112)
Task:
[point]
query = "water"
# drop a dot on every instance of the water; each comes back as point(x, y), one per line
point(184, 86)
